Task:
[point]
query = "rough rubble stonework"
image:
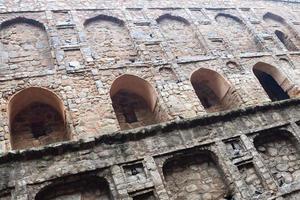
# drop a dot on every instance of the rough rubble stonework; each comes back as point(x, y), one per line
point(149, 100)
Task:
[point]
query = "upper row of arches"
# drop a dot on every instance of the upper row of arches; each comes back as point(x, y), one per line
point(37, 116)
point(109, 39)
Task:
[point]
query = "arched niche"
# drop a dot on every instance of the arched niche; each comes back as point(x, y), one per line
point(78, 188)
point(109, 38)
point(285, 40)
point(273, 17)
point(238, 34)
point(233, 66)
point(134, 101)
point(195, 175)
point(213, 91)
point(286, 63)
point(25, 46)
point(279, 150)
point(274, 82)
point(283, 31)
point(36, 117)
point(167, 74)
point(180, 36)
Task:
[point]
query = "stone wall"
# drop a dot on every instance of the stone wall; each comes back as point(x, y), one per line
point(90, 56)
point(280, 156)
point(207, 157)
point(78, 53)
point(194, 176)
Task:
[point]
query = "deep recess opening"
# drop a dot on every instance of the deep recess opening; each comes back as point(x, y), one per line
point(206, 95)
point(273, 90)
point(38, 129)
point(286, 41)
point(129, 114)
point(146, 196)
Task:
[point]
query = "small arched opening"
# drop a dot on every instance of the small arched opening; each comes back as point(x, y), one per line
point(213, 91)
point(134, 102)
point(283, 31)
point(275, 83)
point(84, 188)
point(36, 118)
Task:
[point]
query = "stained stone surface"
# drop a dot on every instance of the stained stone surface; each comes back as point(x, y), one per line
point(162, 139)
point(194, 177)
point(281, 157)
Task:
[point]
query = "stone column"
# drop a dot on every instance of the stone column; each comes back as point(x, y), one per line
point(120, 183)
point(261, 168)
point(232, 174)
point(296, 132)
point(156, 178)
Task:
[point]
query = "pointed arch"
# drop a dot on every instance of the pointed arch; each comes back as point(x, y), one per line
point(36, 117)
point(275, 83)
point(274, 17)
point(135, 102)
point(25, 47)
point(172, 17)
point(109, 38)
point(17, 20)
point(180, 36)
point(238, 20)
point(77, 187)
point(283, 31)
point(238, 34)
point(214, 92)
point(104, 18)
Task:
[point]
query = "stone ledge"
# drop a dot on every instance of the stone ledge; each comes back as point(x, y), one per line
point(140, 133)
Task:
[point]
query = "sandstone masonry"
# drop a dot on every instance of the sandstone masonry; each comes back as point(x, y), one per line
point(149, 100)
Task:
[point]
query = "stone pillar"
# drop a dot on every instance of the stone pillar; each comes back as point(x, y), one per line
point(120, 183)
point(156, 178)
point(20, 192)
point(237, 184)
point(261, 168)
point(296, 132)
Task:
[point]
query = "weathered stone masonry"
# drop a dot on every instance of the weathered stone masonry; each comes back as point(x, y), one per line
point(123, 100)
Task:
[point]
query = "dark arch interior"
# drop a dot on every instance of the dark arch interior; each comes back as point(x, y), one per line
point(171, 17)
point(273, 136)
point(285, 40)
point(19, 20)
point(274, 91)
point(132, 110)
point(206, 95)
point(105, 18)
point(37, 124)
point(87, 188)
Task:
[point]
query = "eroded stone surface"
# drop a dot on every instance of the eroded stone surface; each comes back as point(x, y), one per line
point(77, 49)
point(194, 177)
